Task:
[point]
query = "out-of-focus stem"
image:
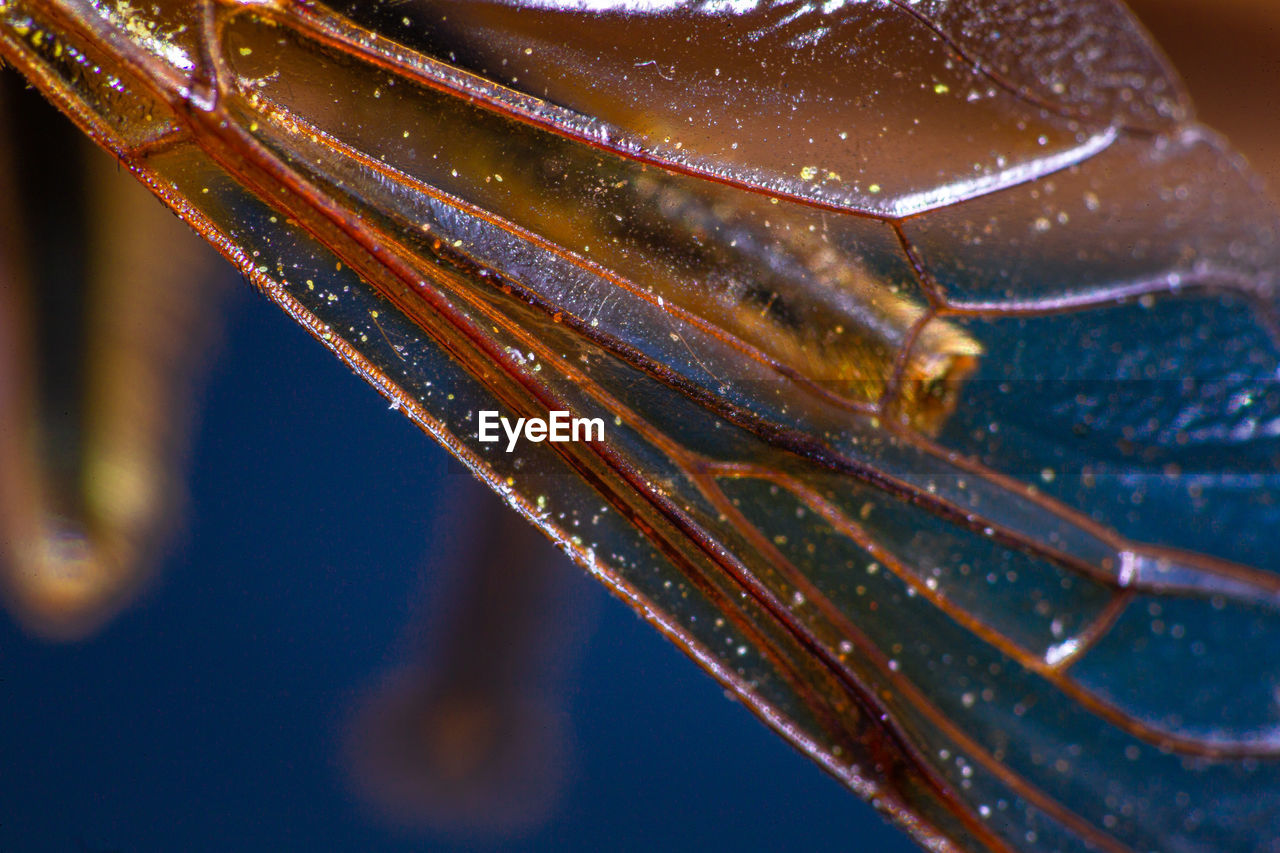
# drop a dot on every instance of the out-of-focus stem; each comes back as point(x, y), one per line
point(91, 449)
point(471, 737)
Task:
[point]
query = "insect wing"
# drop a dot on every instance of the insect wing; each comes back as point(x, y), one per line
point(965, 603)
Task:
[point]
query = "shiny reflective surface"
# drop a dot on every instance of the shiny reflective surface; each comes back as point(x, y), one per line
point(939, 444)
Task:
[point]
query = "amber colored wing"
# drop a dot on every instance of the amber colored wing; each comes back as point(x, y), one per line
point(1042, 617)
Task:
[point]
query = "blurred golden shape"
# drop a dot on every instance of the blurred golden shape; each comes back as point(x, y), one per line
point(97, 358)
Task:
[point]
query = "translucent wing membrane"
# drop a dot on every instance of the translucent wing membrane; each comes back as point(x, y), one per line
point(937, 352)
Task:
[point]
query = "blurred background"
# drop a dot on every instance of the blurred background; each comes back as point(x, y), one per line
point(1228, 53)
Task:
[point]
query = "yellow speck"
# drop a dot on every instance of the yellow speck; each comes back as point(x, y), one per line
point(311, 285)
point(373, 314)
point(808, 173)
point(528, 51)
point(497, 177)
point(873, 189)
point(941, 88)
point(245, 51)
point(405, 134)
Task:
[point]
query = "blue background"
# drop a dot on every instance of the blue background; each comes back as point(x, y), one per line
point(210, 714)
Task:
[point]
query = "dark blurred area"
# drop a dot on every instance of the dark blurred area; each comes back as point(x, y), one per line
point(469, 735)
